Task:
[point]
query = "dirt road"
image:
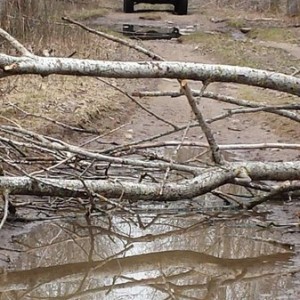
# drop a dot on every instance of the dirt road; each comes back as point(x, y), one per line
point(241, 128)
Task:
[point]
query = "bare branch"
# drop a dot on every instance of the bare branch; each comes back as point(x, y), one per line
point(139, 104)
point(58, 145)
point(16, 44)
point(285, 187)
point(128, 146)
point(216, 155)
point(172, 160)
point(110, 37)
point(222, 147)
point(227, 99)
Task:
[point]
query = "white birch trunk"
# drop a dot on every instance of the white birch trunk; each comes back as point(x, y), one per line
point(145, 69)
point(185, 189)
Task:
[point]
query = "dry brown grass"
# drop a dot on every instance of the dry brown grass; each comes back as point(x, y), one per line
point(83, 102)
point(248, 6)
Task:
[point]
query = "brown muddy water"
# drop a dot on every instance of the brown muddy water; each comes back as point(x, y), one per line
point(180, 250)
point(158, 256)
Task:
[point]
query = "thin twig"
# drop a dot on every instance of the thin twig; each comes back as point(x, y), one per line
point(115, 39)
point(172, 160)
point(138, 103)
point(127, 146)
point(163, 144)
point(6, 206)
point(58, 145)
point(285, 187)
point(103, 135)
point(226, 99)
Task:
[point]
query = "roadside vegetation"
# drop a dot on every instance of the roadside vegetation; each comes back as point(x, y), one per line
point(76, 101)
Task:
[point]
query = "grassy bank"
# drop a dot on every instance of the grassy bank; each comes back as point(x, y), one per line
point(83, 102)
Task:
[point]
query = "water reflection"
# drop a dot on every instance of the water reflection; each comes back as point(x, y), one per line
point(159, 257)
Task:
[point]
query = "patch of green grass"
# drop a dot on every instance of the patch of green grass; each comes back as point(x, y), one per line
point(265, 96)
point(201, 37)
point(223, 47)
point(236, 23)
point(273, 34)
point(241, 53)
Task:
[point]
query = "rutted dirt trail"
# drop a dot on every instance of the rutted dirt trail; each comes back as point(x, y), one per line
point(246, 128)
point(238, 129)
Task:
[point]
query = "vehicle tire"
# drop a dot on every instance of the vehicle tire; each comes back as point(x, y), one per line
point(181, 7)
point(128, 6)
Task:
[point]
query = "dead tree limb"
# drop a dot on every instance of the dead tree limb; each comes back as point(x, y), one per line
point(204, 180)
point(221, 146)
point(118, 40)
point(49, 143)
point(45, 66)
point(216, 154)
point(185, 189)
point(6, 207)
point(226, 99)
point(16, 44)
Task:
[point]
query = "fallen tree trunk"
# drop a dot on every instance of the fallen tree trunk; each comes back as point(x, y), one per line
point(79, 160)
point(204, 183)
point(45, 66)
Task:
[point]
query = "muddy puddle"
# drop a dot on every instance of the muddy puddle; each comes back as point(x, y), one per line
point(149, 32)
point(188, 256)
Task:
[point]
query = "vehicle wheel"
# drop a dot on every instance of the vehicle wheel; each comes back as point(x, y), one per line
point(128, 6)
point(181, 7)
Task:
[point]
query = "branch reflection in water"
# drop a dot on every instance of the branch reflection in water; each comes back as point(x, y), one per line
point(120, 256)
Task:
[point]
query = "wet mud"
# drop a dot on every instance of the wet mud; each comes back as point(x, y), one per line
point(197, 256)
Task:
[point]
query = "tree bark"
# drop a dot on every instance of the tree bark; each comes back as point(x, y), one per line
point(204, 183)
point(45, 66)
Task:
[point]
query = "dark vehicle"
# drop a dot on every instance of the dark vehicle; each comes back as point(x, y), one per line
point(180, 6)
